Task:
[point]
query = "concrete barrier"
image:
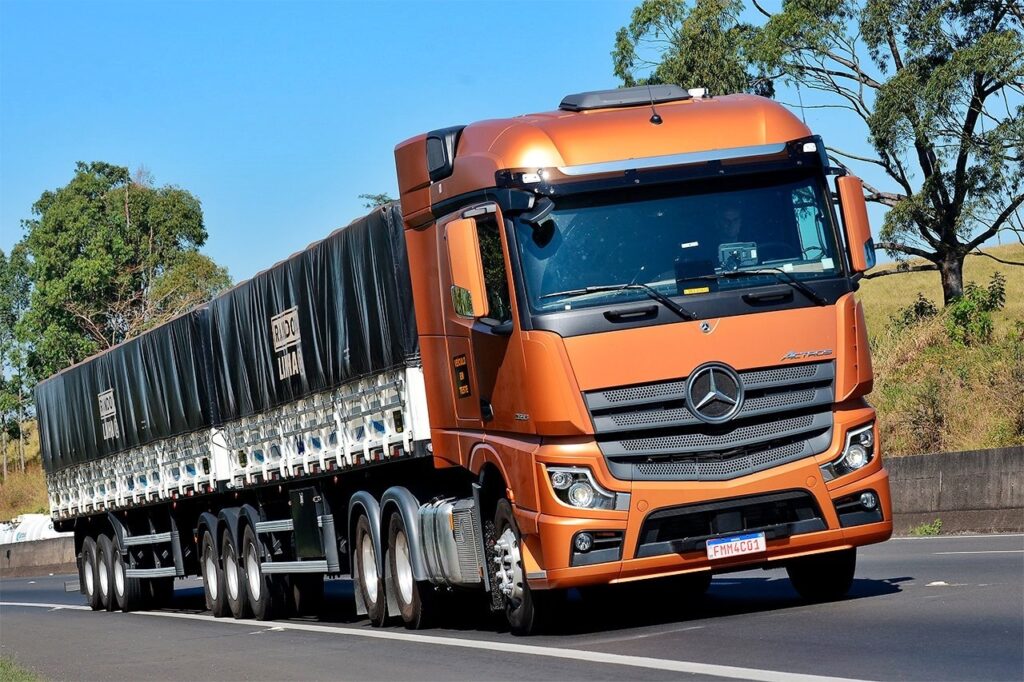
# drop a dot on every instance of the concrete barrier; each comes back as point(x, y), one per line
point(975, 491)
point(38, 557)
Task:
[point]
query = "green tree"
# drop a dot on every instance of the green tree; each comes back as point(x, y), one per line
point(14, 287)
point(936, 86)
point(375, 200)
point(703, 45)
point(108, 257)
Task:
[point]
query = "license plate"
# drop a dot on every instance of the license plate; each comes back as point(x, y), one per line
point(723, 548)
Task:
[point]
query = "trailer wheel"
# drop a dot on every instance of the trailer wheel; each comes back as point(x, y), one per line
point(213, 578)
point(415, 599)
point(89, 575)
point(369, 584)
point(307, 593)
point(234, 579)
point(105, 572)
point(129, 591)
point(824, 577)
point(266, 592)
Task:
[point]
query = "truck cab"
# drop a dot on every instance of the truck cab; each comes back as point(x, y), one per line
point(639, 331)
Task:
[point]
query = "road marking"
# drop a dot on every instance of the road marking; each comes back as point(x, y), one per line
point(582, 655)
point(958, 537)
point(985, 551)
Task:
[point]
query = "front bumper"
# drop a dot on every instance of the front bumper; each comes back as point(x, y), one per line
point(549, 532)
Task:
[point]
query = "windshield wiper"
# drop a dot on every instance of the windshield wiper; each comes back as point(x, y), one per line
point(781, 275)
point(650, 291)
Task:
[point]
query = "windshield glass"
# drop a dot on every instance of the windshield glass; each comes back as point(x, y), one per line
point(685, 239)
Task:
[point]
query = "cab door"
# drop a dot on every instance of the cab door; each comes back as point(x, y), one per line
point(484, 347)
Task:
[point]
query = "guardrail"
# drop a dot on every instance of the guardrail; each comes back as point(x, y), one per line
point(38, 557)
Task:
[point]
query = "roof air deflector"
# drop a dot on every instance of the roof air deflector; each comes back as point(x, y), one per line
point(623, 97)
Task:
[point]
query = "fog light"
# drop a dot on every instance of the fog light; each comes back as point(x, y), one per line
point(868, 500)
point(560, 480)
point(856, 457)
point(581, 494)
point(583, 542)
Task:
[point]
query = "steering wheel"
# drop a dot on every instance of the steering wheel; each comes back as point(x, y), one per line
point(812, 248)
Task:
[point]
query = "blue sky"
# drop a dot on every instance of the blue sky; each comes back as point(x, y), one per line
point(278, 115)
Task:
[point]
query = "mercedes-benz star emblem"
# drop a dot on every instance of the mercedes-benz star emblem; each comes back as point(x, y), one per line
point(714, 393)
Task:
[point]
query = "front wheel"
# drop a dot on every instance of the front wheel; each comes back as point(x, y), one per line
point(526, 610)
point(824, 577)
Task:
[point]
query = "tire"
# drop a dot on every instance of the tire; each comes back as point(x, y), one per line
point(526, 610)
point(369, 584)
point(105, 572)
point(213, 577)
point(415, 599)
point(160, 592)
point(307, 593)
point(88, 574)
point(266, 592)
point(824, 577)
point(235, 589)
point(131, 593)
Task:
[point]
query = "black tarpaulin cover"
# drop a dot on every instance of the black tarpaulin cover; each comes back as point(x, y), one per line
point(145, 389)
point(339, 310)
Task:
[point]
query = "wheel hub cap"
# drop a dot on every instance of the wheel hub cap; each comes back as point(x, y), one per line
point(510, 567)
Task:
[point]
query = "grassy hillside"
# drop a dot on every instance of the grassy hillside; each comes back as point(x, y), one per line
point(23, 493)
point(933, 393)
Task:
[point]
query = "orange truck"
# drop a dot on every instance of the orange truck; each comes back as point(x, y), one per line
point(613, 342)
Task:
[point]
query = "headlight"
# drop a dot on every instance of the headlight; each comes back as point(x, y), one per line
point(858, 452)
point(576, 487)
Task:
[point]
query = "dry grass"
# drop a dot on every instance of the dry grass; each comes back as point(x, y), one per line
point(24, 493)
point(933, 394)
point(884, 296)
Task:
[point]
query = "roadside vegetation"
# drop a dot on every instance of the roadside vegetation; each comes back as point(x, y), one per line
point(23, 492)
point(10, 671)
point(949, 378)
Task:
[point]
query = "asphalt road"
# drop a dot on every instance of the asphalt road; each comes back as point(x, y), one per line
point(948, 608)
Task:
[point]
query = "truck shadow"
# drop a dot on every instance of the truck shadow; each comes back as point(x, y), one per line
point(607, 609)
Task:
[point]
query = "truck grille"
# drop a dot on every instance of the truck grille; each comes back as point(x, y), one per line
point(647, 432)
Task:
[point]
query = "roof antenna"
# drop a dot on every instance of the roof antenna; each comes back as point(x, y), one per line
point(655, 118)
point(800, 97)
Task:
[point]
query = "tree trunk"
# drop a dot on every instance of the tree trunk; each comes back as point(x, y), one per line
point(21, 428)
point(951, 267)
point(3, 437)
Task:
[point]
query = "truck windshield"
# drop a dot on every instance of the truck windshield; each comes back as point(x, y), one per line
point(685, 239)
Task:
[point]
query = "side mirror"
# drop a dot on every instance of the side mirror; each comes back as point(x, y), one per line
point(855, 219)
point(469, 293)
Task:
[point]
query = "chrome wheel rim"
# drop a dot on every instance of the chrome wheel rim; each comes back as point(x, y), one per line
point(403, 568)
point(90, 584)
point(368, 567)
point(104, 577)
point(510, 567)
point(119, 575)
point(210, 574)
point(231, 573)
point(252, 572)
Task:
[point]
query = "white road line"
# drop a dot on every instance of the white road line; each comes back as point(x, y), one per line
point(985, 551)
point(714, 670)
point(957, 537)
